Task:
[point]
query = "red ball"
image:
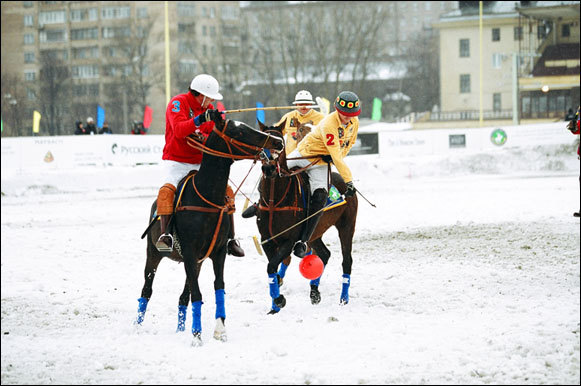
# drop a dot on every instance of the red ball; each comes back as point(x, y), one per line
point(311, 267)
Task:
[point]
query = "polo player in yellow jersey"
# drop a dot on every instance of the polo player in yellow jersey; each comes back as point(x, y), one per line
point(293, 119)
point(333, 137)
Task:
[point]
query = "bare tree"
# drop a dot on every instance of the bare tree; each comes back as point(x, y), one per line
point(422, 82)
point(54, 93)
point(14, 105)
point(132, 72)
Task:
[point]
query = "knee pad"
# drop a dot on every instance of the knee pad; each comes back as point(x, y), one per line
point(165, 199)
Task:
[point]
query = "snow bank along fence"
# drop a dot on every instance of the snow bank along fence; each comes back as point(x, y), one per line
point(383, 139)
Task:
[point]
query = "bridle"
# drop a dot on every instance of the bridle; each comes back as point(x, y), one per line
point(253, 152)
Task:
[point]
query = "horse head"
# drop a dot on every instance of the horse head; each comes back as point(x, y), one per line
point(272, 165)
point(236, 140)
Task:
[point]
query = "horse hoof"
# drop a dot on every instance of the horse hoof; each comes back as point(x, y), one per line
point(197, 339)
point(315, 296)
point(343, 302)
point(220, 331)
point(280, 301)
point(272, 312)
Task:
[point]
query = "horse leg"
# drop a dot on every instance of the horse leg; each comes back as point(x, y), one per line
point(324, 253)
point(346, 237)
point(282, 270)
point(275, 256)
point(218, 264)
point(192, 271)
point(183, 307)
point(153, 259)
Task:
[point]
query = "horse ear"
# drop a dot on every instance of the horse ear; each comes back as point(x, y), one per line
point(281, 126)
point(261, 125)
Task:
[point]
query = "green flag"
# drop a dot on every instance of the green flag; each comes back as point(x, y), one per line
point(376, 114)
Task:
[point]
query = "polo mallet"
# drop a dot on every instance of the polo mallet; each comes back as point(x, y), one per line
point(268, 108)
point(357, 190)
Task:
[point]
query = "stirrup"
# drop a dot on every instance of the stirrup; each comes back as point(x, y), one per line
point(234, 248)
point(249, 212)
point(165, 243)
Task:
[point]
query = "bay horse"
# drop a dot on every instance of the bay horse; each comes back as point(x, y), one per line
point(282, 207)
point(200, 223)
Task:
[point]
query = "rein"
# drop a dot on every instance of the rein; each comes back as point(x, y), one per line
point(228, 208)
point(229, 142)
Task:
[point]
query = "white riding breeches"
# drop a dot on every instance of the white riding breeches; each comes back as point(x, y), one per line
point(317, 173)
point(174, 171)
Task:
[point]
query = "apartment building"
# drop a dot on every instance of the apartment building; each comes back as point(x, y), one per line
point(525, 64)
point(115, 55)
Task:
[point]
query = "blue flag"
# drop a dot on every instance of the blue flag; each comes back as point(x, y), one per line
point(260, 113)
point(100, 116)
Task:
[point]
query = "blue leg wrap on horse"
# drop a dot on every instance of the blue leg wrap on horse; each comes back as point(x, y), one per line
point(345, 290)
point(273, 284)
point(282, 270)
point(182, 318)
point(197, 317)
point(274, 290)
point(141, 309)
point(220, 310)
point(316, 281)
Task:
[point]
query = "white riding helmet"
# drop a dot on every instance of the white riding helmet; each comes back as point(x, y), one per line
point(304, 97)
point(206, 85)
point(90, 120)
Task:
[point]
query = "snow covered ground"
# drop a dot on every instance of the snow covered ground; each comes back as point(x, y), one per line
point(467, 272)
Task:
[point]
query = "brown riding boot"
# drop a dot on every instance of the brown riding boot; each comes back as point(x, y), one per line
point(234, 247)
point(165, 199)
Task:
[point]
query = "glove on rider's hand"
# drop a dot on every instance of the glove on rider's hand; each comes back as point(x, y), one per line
point(350, 192)
point(208, 116)
point(327, 158)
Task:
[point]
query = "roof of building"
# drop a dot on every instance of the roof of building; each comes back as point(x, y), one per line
point(559, 59)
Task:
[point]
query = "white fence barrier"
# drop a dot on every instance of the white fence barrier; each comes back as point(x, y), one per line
point(393, 140)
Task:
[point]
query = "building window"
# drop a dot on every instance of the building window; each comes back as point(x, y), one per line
point(29, 75)
point(28, 20)
point(52, 17)
point(28, 39)
point(85, 34)
point(496, 105)
point(85, 14)
point(28, 4)
point(185, 9)
point(212, 31)
point(116, 13)
point(142, 13)
point(496, 34)
point(114, 32)
point(541, 32)
point(30, 94)
point(187, 67)
point(90, 71)
point(230, 13)
point(85, 52)
point(517, 33)
point(464, 48)
point(464, 83)
point(204, 31)
point(212, 12)
point(566, 30)
point(496, 61)
point(52, 36)
point(29, 57)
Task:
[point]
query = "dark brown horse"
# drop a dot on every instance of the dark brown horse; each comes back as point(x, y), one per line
point(282, 206)
point(201, 221)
